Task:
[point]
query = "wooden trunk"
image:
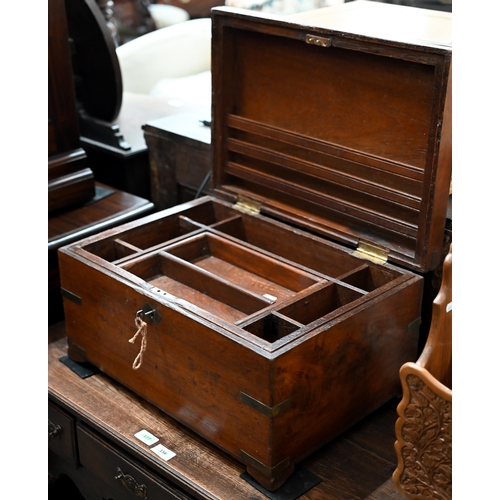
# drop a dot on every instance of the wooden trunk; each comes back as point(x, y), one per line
point(277, 313)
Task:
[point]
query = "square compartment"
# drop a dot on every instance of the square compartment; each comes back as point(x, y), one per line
point(272, 327)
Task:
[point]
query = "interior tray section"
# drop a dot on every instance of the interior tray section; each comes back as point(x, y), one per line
point(254, 272)
point(219, 276)
point(317, 254)
point(158, 232)
point(322, 303)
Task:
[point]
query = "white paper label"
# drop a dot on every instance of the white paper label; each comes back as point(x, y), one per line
point(270, 297)
point(448, 306)
point(163, 452)
point(146, 437)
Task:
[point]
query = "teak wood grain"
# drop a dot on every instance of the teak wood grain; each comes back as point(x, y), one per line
point(325, 356)
point(352, 138)
point(324, 143)
point(356, 466)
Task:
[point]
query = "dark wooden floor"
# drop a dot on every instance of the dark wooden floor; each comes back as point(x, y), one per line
point(356, 466)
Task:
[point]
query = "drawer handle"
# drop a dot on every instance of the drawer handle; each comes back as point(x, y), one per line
point(131, 484)
point(54, 430)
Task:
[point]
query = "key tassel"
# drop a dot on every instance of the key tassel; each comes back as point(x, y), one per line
point(142, 330)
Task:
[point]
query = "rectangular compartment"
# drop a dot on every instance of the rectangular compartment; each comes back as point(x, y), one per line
point(219, 277)
point(155, 233)
point(243, 266)
point(169, 275)
point(320, 303)
point(289, 243)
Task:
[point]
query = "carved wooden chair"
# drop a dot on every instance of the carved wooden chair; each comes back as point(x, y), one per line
point(423, 429)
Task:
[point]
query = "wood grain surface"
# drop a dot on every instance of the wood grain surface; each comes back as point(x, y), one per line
point(358, 465)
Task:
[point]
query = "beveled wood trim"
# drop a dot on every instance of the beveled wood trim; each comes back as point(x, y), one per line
point(247, 125)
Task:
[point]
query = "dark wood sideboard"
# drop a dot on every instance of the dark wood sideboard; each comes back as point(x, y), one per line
point(180, 156)
point(108, 208)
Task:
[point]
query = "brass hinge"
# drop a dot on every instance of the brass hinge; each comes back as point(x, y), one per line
point(247, 206)
point(320, 41)
point(371, 252)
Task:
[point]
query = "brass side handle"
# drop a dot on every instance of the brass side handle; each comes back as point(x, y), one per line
point(131, 484)
point(54, 430)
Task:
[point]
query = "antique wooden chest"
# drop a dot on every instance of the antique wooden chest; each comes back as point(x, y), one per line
point(277, 313)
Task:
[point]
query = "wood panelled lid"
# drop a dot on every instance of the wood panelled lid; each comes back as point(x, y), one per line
point(332, 127)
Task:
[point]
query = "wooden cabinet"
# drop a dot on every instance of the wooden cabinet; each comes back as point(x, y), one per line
point(62, 438)
point(180, 157)
point(118, 475)
point(96, 467)
point(70, 180)
point(109, 207)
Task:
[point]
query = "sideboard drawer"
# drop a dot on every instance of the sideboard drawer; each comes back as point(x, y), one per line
point(62, 434)
point(119, 474)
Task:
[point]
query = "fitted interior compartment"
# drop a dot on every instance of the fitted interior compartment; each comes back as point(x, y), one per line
point(160, 231)
point(272, 327)
point(369, 277)
point(327, 298)
point(313, 253)
point(114, 249)
point(243, 266)
point(218, 276)
point(142, 237)
point(320, 303)
point(167, 274)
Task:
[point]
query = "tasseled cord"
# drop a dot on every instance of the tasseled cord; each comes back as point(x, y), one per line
point(143, 330)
